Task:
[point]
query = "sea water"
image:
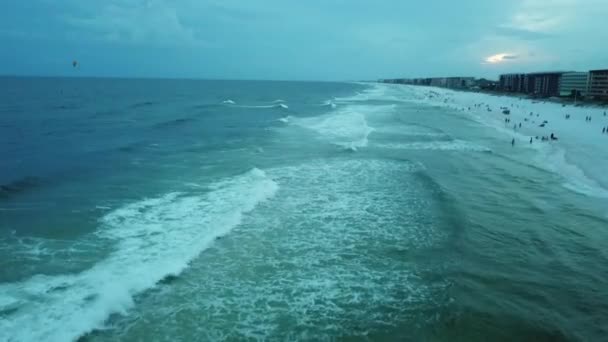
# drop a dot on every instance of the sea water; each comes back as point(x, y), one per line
point(181, 210)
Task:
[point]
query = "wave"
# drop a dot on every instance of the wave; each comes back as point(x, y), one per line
point(280, 105)
point(413, 130)
point(19, 186)
point(575, 177)
point(347, 128)
point(454, 145)
point(329, 103)
point(274, 104)
point(142, 104)
point(286, 119)
point(154, 239)
point(133, 146)
point(375, 92)
point(68, 106)
point(172, 123)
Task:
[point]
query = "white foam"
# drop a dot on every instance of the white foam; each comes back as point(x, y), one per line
point(153, 238)
point(329, 103)
point(347, 127)
point(299, 265)
point(454, 145)
point(410, 131)
point(228, 102)
point(379, 92)
point(575, 178)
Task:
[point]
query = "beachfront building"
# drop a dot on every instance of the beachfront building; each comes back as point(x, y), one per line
point(598, 84)
point(396, 81)
point(485, 84)
point(439, 82)
point(422, 81)
point(574, 83)
point(512, 83)
point(543, 83)
point(529, 83)
point(459, 82)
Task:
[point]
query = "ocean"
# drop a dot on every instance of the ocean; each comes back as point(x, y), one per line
point(191, 210)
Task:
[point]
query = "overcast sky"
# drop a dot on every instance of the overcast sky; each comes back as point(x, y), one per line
point(307, 40)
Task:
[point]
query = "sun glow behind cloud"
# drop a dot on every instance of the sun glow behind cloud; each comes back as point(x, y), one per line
point(500, 58)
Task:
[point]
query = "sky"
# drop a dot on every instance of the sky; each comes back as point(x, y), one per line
point(301, 40)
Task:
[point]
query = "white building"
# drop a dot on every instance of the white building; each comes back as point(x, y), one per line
point(574, 81)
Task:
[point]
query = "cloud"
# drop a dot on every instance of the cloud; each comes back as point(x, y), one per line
point(151, 22)
point(317, 39)
point(519, 33)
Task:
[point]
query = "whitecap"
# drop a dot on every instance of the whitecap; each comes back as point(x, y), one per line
point(454, 145)
point(152, 239)
point(329, 103)
point(347, 128)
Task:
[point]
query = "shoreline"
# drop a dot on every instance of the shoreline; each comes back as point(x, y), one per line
point(564, 101)
point(578, 157)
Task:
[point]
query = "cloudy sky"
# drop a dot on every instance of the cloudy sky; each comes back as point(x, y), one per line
point(308, 40)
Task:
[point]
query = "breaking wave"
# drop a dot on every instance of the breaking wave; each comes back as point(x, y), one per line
point(153, 239)
point(454, 145)
point(347, 128)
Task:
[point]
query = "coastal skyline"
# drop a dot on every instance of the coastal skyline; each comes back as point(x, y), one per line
point(277, 40)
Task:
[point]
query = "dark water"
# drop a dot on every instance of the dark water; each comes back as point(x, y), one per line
point(173, 210)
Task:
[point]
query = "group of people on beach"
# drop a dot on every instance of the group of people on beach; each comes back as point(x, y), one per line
point(543, 138)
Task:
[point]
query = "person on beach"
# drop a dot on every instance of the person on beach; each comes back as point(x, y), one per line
point(603, 130)
point(530, 140)
point(520, 125)
point(513, 142)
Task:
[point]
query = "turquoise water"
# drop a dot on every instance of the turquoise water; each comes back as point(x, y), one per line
point(176, 210)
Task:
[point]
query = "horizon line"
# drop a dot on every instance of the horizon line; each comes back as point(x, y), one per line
point(176, 78)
